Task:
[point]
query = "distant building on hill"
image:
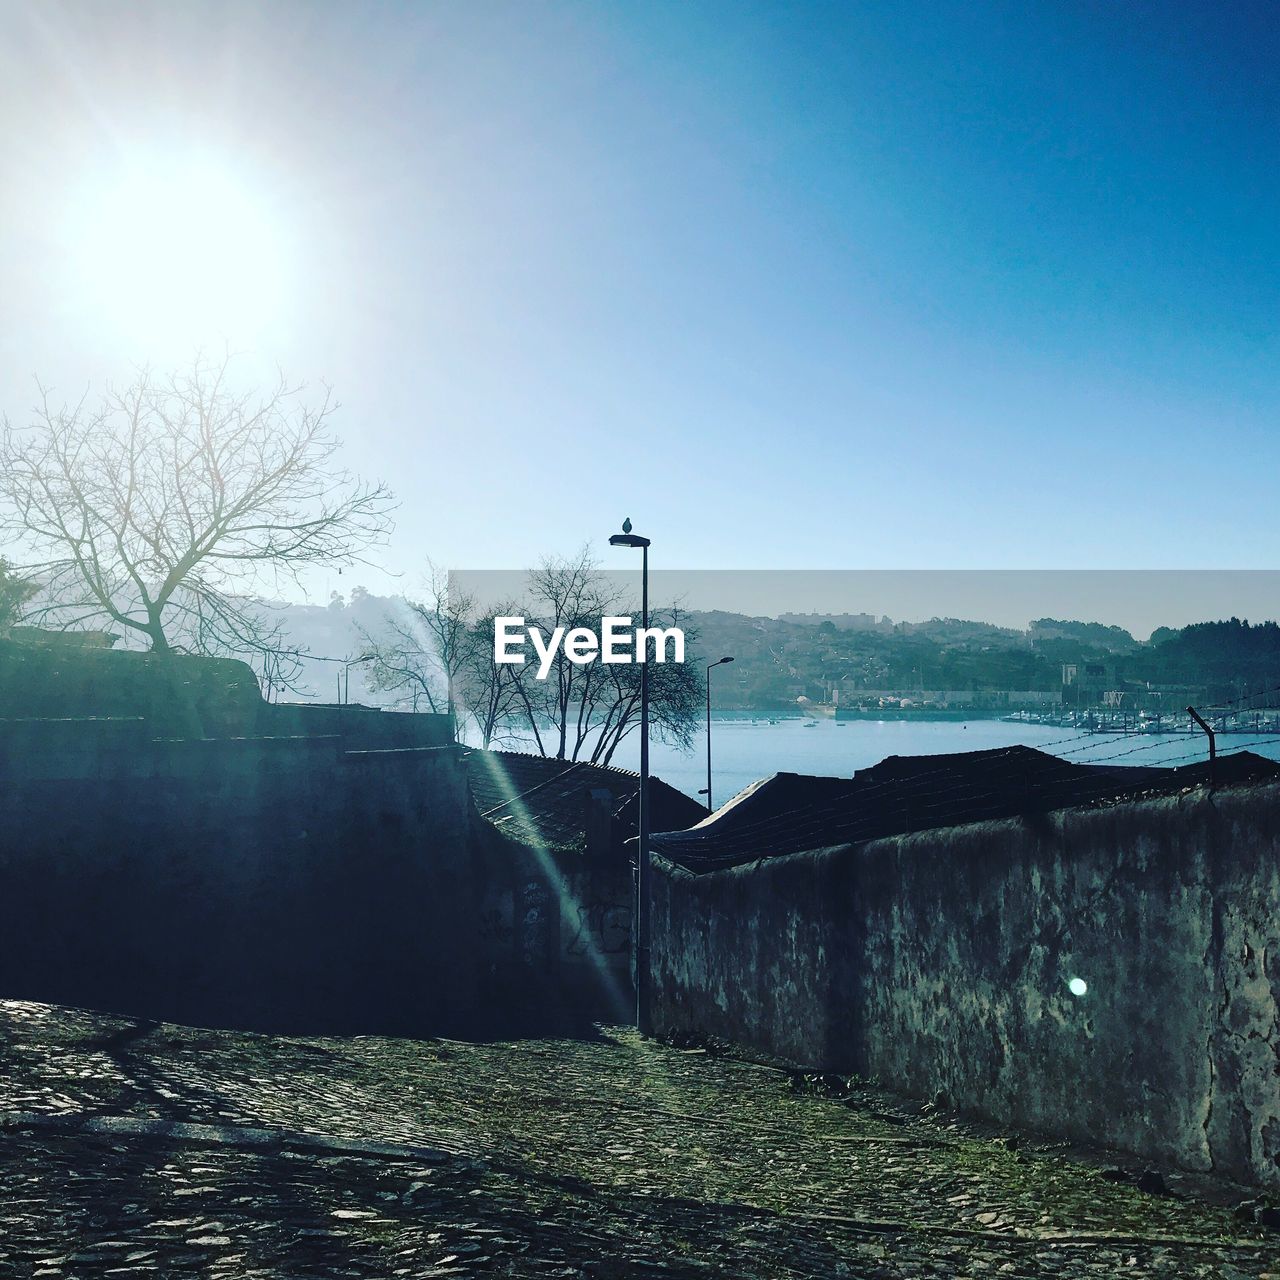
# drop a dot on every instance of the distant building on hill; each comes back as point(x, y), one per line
point(841, 621)
point(1086, 684)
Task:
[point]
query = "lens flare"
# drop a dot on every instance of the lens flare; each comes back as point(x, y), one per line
point(180, 251)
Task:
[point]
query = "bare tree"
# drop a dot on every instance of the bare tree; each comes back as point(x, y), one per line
point(171, 506)
point(586, 711)
point(487, 690)
point(421, 650)
point(440, 650)
point(563, 592)
point(675, 698)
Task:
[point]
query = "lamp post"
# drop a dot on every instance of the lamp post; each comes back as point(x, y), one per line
point(640, 941)
point(345, 691)
point(719, 663)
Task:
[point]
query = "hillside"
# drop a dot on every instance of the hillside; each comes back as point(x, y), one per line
point(778, 660)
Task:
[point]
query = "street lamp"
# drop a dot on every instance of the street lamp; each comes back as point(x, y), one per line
point(710, 669)
point(345, 691)
point(640, 942)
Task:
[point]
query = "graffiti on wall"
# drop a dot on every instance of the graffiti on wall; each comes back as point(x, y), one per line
point(600, 928)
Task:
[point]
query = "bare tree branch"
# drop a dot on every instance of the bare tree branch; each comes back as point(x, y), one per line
point(177, 501)
point(585, 711)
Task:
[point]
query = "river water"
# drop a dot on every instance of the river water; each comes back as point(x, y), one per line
point(744, 750)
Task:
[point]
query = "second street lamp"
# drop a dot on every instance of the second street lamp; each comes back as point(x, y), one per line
point(344, 690)
point(718, 663)
point(640, 942)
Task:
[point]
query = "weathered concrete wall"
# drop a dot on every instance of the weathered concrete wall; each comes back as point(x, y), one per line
point(259, 883)
point(358, 726)
point(762, 955)
point(941, 962)
point(554, 936)
point(178, 694)
point(184, 696)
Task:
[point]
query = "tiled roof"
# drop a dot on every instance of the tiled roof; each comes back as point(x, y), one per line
point(544, 802)
point(789, 813)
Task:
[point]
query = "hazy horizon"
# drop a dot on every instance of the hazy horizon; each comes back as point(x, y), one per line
point(1137, 600)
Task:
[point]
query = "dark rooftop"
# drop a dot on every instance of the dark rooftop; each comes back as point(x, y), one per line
point(789, 813)
point(543, 801)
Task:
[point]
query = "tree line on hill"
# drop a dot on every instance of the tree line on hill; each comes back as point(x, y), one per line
point(776, 662)
point(779, 661)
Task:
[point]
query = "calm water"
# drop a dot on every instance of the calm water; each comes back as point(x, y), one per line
point(744, 750)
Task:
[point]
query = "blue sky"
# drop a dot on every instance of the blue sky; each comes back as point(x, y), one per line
point(822, 286)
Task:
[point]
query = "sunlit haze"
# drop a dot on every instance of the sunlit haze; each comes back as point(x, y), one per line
point(827, 287)
point(172, 253)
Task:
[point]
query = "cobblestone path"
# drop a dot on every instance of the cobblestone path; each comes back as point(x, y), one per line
point(143, 1149)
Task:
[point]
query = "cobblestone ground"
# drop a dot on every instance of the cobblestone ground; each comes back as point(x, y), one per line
point(142, 1149)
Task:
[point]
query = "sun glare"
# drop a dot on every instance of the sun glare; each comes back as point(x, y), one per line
point(184, 255)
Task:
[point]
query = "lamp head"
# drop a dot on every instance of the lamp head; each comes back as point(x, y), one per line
point(627, 538)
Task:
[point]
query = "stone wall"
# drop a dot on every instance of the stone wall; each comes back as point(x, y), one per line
point(943, 962)
point(358, 726)
point(554, 935)
point(293, 883)
point(282, 884)
point(177, 694)
point(182, 696)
